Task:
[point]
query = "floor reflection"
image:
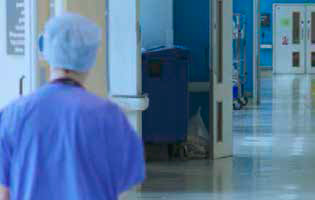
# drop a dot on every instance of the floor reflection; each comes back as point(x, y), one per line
point(273, 146)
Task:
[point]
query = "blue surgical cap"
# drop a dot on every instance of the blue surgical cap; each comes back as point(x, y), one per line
point(71, 42)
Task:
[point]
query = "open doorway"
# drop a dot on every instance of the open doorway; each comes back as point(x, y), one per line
point(174, 60)
point(186, 79)
point(177, 54)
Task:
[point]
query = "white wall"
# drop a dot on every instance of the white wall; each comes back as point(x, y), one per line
point(156, 17)
point(12, 67)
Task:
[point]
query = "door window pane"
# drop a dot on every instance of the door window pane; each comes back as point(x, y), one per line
point(220, 122)
point(313, 28)
point(296, 59)
point(296, 28)
point(313, 59)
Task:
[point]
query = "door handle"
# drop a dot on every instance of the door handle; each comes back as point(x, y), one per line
point(21, 85)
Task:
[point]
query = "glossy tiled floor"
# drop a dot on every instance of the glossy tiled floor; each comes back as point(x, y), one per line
point(274, 153)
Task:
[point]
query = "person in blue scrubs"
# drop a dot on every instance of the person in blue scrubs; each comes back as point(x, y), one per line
point(62, 142)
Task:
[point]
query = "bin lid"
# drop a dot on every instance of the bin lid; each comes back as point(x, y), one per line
point(164, 48)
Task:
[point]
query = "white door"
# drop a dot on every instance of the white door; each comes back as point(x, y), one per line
point(289, 39)
point(221, 78)
point(310, 39)
point(14, 76)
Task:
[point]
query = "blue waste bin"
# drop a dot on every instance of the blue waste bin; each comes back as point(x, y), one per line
point(165, 80)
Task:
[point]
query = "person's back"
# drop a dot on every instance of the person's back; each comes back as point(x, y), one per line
point(76, 151)
point(63, 143)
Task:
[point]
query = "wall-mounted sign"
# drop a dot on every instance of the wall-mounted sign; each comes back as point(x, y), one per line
point(285, 40)
point(15, 27)
point(265, 20)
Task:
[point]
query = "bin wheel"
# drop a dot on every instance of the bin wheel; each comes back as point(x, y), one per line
point(237, 105)
point(243, 101)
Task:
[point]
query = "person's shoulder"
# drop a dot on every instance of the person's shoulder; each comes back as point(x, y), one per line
point(16, 106)
point(14, 112)
point(104, 103)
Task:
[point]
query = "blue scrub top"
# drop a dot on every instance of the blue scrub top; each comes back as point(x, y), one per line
point(63, 143)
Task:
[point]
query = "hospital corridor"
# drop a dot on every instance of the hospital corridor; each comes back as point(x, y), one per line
point(157, 99)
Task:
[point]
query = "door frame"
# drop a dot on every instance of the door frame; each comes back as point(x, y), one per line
point(36, 12)
point(132, 102)
point(256, 52)
point(211, 77)
point(29, 7)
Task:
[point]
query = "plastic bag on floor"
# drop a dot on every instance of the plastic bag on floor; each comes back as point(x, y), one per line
point(197, 145)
